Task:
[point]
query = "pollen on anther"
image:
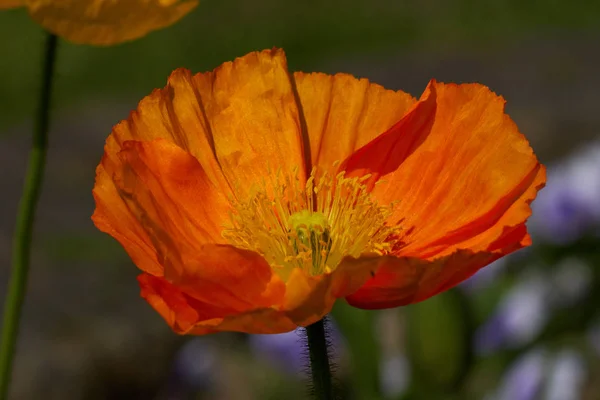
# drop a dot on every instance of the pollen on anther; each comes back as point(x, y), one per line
point(311, 225)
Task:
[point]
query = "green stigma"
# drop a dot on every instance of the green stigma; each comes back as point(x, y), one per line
point(307, 219)
point(310, 234)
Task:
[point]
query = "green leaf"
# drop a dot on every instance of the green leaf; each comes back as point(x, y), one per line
point(439, 332)
point(357, 327)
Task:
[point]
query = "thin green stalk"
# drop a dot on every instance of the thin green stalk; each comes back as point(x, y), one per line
point(319, 361)
point(25, 219)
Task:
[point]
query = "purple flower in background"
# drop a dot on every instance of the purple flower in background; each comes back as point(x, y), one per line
point(593, 336)
point(284, 350)
point(492, 335)
point(570, 204)
point(559, 376)
point(193, 370)
point(485, 276)
point(521, 315)
point(571, 281)
point(288, 351)
point(567, 377)
point(394, 377)
point(525, 309)
point(524, 378)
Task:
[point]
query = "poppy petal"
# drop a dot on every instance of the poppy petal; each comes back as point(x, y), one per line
point(180, 311)
point(113, 217)
point(173, 113)
point(236, 278)
point(251, 104)
point(261, 321)
point(187, 315)
point(309, 298)
point(343, 113)
point(509, 230)
point(171, 197)
point(104, 23)
point(225, 289)
point(224, 275)
point(457, 164)
point(404, 280)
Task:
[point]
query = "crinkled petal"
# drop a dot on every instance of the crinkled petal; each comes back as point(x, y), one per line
point(113, 217)
point(404, 280)
point(107, 22)
point(343, 113)
point(179, 310)
point(241, 121)
point(261, 321)
point(509, 230)
point(228, 276)
point(229, 289)
point(225, 288)
point(176, 114)
point(458, 168)
point(160, 195)
point(309, 298)
point(252, 111)
point(171, 196)
point(187, 315)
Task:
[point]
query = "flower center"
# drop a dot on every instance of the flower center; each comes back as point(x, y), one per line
point(312, 226)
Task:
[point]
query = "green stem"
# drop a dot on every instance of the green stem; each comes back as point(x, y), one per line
point(25, 218)
point(319, 361)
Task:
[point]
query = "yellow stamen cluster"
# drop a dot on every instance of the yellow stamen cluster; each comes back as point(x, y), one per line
point(312, 226)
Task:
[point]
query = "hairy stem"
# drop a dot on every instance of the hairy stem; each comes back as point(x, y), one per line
point(319, 361)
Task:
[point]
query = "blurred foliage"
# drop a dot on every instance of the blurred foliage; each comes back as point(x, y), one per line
point(69, 248)
point(358, 328)
point(439, 339)
point(310, 33)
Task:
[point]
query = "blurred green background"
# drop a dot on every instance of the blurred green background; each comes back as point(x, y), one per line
point(86, 334)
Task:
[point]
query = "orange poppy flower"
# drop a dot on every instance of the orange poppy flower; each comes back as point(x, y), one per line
point(102, 22)
point(252, 198)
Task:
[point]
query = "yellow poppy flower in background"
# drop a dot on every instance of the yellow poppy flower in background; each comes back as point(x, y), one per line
point(253, 198)
point(103, 22)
